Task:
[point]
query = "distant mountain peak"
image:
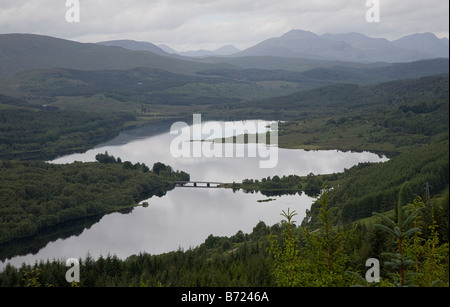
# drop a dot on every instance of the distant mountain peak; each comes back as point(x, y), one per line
point(303, 44)
point(426, 42)
point(299, 34)
point(423, 35)
point(227, 49)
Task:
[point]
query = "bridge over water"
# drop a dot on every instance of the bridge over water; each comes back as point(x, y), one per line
point(198, 184)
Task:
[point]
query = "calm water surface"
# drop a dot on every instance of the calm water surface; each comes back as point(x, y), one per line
point(185, 217)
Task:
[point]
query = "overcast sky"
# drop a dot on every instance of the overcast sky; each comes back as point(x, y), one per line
point(209, 24)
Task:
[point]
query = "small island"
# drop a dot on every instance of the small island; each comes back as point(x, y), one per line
point(310, 184)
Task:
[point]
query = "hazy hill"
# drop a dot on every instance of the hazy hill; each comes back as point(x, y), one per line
point(339, 99)
point(353, 47)
point(135, 45)
point(424, 42)
point(167, 51)
point(304, 44)
point(130, 89)
point(378, 49)
point(222, 51)
point(318, 76)
point(22, 52)
point(284, 63)
point(296, 50)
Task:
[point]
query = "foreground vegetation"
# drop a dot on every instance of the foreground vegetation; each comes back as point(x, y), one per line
point(280, 255)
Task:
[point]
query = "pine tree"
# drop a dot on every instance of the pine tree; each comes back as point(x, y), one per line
point(325, 249)
point(399, 261)
point(287, 263)
point(429, 255)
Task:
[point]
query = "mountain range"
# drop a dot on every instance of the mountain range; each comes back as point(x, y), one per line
point(296, 50)
point(353, 47)
point(167, 51)
point(22, 52)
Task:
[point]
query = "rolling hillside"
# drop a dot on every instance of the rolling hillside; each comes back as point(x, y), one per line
point(22, 52)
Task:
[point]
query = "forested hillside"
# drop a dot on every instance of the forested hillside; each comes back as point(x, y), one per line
point(388, 118)
point(37, 195)
point(31, 132)
point(363, 189)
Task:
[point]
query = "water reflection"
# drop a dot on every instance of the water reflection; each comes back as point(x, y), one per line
point(32, 245)
point(185, 216)
point(156, 148)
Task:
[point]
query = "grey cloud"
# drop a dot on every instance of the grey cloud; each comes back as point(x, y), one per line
point(197, 23)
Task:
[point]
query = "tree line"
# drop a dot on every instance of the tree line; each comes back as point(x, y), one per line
point(291, 184)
